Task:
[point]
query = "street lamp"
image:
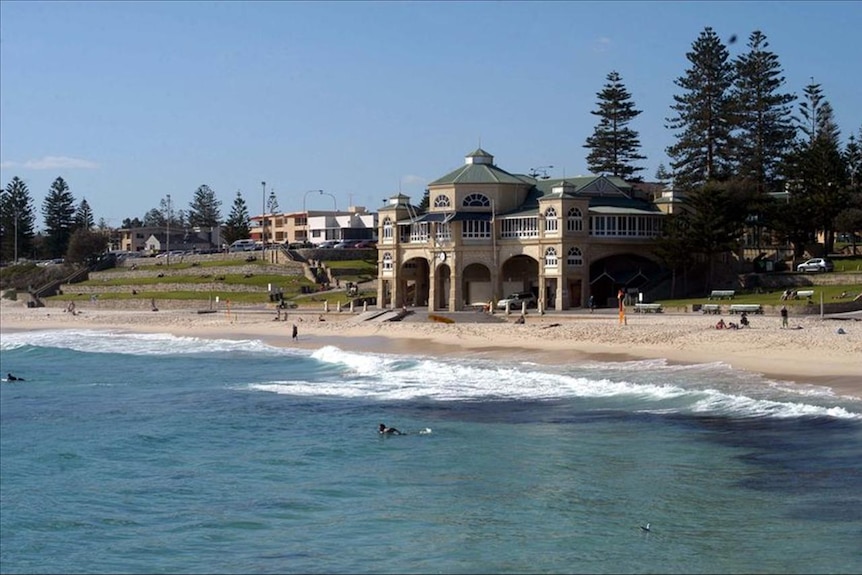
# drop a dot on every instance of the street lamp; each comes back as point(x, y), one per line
point(15, 212)
point(263, 222)
point(306, 195)
point(168, 234)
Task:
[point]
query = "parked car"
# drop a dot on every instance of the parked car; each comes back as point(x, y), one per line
point(365, 244)
point(299, 245)
point(327, 244)
point(344, 244)
point(816, 265)
point(516, 300)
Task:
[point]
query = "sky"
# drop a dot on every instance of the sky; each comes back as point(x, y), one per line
point(132, 101)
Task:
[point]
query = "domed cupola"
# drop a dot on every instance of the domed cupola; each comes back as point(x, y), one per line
point(479, 156)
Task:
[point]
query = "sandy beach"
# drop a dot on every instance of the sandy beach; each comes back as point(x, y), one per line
point(811, 352)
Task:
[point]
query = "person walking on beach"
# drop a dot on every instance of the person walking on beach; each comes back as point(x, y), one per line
point(783, 316)
point(295, 333)
point(592, 304)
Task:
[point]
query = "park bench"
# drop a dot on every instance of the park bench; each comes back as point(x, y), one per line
point(722, 293)
point(805, 293)
point(711, 308)
point(647, 308)
point(746, 307)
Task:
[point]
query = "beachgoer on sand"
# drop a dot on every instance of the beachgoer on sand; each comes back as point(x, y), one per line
point(783, 316)
point(295, 333)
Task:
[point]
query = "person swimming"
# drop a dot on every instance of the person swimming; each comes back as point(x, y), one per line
point(10, 377)
point(383, 430)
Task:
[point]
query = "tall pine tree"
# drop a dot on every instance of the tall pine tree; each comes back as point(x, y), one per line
point(614, 146)
point(237, 227)
point(58, 212)
point(84, 216)
point(17, 221)
point(704, 115)
point(204, 210)
point(817, 168)
point(763, 114)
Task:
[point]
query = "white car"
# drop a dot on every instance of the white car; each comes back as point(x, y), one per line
point(816, 265)
point(516, 300)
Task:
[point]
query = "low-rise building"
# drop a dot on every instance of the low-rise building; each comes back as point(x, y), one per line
point(488, 233)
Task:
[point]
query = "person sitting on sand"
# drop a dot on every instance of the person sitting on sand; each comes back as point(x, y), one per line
point(720, 324)
point(743, 321)
point(383, 430)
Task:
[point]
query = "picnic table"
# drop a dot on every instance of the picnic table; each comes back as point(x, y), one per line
point(647, 308)
point(722, 293)
point(746, 307)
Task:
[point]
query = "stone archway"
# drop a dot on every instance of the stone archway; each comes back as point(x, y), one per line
point(520, 273)
point(476, 285)
point(442, 285)
point(626, 271)
point(415, 282)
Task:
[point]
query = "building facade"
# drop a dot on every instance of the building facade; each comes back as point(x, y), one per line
point(488, 233)
point(315, 227)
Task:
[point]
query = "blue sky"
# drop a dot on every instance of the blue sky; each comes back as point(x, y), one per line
point(131, 101)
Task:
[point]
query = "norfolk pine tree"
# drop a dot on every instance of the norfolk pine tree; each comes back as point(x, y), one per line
point(704, 115)
point(818, 169)
point(84, 216)
point(763, 115)
point(205, 209)
point(16, 216)
point(614, 146)
point(236, 226)
point(58, 212)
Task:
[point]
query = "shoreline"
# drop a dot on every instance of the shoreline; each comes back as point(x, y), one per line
point(812, 354)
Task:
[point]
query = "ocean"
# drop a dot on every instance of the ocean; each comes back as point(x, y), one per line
point(131, 453)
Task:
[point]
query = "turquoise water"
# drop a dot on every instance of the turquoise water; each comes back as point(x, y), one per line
point(156, 454)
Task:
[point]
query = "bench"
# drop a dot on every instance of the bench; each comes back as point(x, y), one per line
point(804, 293)
point(722, 293)
point(647, 308)
point(711, 308)
point(746, 307)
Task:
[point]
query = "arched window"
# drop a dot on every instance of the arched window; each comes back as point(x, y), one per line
point(552, 223)
point(476, 201)
point(387, 229)
point(575, 220)
point(550, 258)
point(387, 262)
point(575, 257)
point(441, 201)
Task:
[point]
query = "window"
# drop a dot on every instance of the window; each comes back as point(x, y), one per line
point(442, 201)
point(575, 257)
point(552, 223)
point(475, 229)
point(575, 220)
point(387, 262)
point(476, 201)
point(520, 227)
point(444, 232)
point(419, 232)
point(387, 229)
point(550, 258)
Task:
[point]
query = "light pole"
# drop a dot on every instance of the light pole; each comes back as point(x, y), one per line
point(15, 212)
point(263, 221)
point(305, 196)
point(168, 234)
